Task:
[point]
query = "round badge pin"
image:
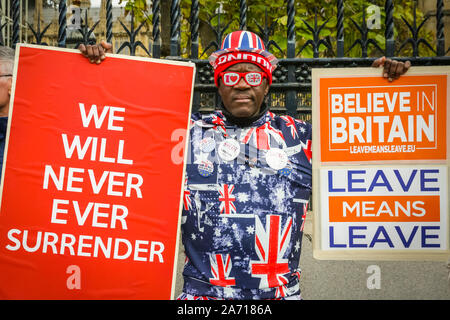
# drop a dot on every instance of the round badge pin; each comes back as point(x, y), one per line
point(276, 158)
point(207, 145)
point(205, 168)
point(286, 170)
point(229, 149)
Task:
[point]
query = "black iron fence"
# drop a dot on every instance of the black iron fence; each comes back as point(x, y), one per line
point(291, 89)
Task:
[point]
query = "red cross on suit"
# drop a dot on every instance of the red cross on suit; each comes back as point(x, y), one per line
point(270, 246)
point(226, 199)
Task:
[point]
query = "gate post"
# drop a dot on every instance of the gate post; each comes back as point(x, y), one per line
point(291, 95)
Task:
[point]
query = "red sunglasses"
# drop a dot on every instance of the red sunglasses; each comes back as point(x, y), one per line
point(252, 78)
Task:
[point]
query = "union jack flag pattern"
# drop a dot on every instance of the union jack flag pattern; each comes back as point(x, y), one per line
point(261, 136)
point(187, 199)
point(305, 211)
point(243, 40)
point(290, 122)
point(226, 199)
point(307, 149)
point(220, 269)
point(271, 244)
point(217, 120)
point(243, 224)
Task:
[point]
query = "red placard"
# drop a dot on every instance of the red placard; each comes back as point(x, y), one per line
point(91, 190)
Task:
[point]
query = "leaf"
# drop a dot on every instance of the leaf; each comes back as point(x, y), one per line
point(325, 32)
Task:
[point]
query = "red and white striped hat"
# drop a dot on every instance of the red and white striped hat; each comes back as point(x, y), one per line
point(242, 46)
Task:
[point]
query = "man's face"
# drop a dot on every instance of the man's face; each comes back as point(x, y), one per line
point(243, 100)
point(5, 91)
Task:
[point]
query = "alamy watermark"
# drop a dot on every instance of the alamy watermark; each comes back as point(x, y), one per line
point(374, 280)
point(373, 17)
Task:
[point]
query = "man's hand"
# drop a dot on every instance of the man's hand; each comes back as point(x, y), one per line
point(96, 53)
point(392, 69)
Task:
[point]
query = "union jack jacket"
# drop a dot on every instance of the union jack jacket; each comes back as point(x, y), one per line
point(244, 206)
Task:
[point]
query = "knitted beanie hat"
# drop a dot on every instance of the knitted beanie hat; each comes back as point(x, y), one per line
point(242, 46)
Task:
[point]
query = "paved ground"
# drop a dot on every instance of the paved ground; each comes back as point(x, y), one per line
point(349, 279)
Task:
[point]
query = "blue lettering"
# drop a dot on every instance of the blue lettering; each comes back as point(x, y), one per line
point(351, 180)
point(426, 236)
point(423, 180)
point(376, 237)
point(405, 242)
point(352, 236)
point(375, 183)
point(332, 244)
point(330, 183)
point(402, 182)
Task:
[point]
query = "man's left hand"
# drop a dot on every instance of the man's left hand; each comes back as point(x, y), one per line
point(392, 69)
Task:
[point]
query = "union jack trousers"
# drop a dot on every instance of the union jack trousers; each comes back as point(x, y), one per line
point(243, 219)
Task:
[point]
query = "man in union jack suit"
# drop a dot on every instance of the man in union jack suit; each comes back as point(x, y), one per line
point(248, 181)
point(247, 186)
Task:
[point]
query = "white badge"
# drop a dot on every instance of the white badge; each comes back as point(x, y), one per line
point(276, 158)
point(229, 149)
point(207, 145)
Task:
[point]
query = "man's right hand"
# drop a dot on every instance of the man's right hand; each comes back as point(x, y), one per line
point(96, 53)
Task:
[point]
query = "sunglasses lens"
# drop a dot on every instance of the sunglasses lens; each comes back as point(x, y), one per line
point(253, 78)
point(230, 78)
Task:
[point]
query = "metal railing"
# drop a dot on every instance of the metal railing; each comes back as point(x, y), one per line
point(290, 92)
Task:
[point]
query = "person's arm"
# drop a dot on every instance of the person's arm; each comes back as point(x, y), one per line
point(392, 69)
point(96, 53)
